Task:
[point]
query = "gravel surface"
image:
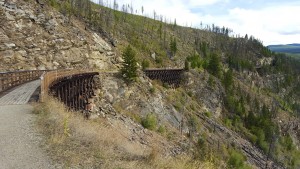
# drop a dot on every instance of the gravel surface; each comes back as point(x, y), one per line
point(19, 141)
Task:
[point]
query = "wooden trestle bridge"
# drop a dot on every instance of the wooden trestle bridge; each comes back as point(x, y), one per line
point(171, 76)
point(75, 88)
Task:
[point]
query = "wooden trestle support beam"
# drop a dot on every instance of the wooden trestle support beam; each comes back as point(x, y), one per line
point(75, 91)
point(171, 76)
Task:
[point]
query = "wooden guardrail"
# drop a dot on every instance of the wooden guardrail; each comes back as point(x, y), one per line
point(51, 77)
point(11, 79)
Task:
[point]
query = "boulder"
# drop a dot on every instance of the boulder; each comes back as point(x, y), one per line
point(18, 57)
point(153, 55)
point(56, 64)
point(41, 67)
point(9, 17)
point(10, 6)
point(119, 60)
point(110, 53)
point(10, 45)
point(101, 44)
point(50, 26)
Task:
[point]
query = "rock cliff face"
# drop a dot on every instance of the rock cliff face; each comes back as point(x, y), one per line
point(35, 37)
point(209, 94)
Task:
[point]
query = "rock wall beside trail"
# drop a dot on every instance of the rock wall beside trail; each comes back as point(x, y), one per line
point(136, 99)
point(33, 36)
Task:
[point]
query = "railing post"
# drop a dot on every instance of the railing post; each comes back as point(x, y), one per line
point(42, 94)
point(1, 84)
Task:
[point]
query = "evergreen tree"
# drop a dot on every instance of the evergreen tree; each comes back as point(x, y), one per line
point(173, 46)
point(228, 79)
point(214, 65)
point(129, 66)
point(175, 24)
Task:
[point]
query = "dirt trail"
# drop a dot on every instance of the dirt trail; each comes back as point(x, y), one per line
point(19, 140)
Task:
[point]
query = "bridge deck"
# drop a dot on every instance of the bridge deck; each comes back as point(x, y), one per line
point(21, 94)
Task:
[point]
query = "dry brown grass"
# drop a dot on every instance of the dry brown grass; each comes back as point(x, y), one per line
point(75, 142)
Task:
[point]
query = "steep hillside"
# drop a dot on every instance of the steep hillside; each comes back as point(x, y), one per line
point(33, 36)
point(238, 105)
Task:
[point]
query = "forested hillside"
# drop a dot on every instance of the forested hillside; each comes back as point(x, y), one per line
point(292, 50)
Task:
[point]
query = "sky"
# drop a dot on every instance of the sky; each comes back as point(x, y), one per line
point(271, 21)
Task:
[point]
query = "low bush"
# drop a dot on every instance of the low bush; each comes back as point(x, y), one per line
point(152, 90)
point(237, 160)
point(161, 129)
point(150, 122)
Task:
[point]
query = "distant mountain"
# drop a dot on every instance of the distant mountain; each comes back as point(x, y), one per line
point(288, 48)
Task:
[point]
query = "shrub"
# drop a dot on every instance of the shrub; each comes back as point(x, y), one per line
point(158, 60)
point(186, 65)
point(202, 148)
point(228, 122)
point(190, 93)
point(193, 61)
point(161, 129)
point(177, 106)
point(145, 64)
point(211, 82)
point(152, 90)
point(193, 123)
point(150, 122)
point(207, 114)
point(166, 85)
point(236, 160)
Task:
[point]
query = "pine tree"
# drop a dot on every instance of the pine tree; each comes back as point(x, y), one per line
point(228, 79)
point(214, 65)
point(173, 46)
point(129, 66)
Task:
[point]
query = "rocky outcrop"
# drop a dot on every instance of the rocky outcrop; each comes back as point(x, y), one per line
point(127, 99)
point(210, 94)
point(223, 135)
point(35, 37)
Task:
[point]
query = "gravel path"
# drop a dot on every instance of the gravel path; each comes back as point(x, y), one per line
point(19, 140)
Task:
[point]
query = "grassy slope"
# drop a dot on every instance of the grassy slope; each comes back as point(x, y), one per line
point(76, 143)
